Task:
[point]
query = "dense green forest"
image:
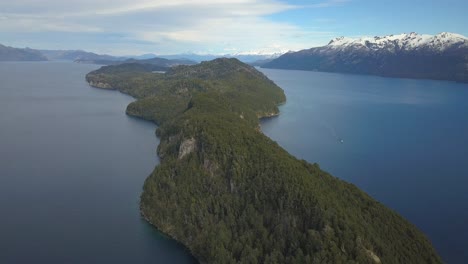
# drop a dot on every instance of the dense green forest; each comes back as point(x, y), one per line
point(231, 194)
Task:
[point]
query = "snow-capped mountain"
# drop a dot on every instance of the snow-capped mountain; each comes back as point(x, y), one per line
point(443, 56)
point(264, 54)
point(410, 41)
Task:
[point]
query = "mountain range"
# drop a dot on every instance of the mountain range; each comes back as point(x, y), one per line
point(410, 55)
point(15, 54)
point(80, 56)
point(244, 57)
point(27, 54)
point(443, 56)
point(77, 55)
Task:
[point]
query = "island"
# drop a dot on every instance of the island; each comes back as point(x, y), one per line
point(230, 194)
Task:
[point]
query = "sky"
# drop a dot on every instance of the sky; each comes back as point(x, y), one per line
point(134, 27)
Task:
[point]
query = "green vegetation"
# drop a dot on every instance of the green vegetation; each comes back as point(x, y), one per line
point(232, 195)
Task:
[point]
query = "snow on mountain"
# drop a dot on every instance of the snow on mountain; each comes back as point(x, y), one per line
point(407, 41)
point(266, 54)
point(441, 57)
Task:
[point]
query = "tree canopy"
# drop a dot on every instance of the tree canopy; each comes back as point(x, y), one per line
point(233, 195)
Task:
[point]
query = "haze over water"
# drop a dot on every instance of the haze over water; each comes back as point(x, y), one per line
point(72, 167)
point(405, 142)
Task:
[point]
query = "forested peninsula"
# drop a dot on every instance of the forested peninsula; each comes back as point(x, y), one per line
point(231, 194)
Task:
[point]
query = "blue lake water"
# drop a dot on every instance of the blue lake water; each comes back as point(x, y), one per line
point(72, 164)
point(72, 167)
point(405, 142)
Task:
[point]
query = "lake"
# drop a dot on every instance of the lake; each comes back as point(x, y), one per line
point(72, 167)
point(72, 164)
point(405, 142)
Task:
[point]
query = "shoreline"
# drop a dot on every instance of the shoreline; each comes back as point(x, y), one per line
point(142, 213)
point(154, 209)
point(106, 86)
point(167, 235)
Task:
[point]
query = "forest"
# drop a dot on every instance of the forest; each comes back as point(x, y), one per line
point(230, 194)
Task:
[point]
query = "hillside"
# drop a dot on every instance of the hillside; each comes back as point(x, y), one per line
point(162, 61)
point(244, 57)
point(441, 57)
point(17, 54)
point(231, 194)
point(76, 55)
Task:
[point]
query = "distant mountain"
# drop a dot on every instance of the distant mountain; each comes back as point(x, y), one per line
point(246, 58)
point(260, 62)
point(81, 56)
point(143, 56)
point(159, 64)
point(78, 55)
point(443, 56)
point(190, 56)
point(251, 58)
point(163, 62)
point(17, 54)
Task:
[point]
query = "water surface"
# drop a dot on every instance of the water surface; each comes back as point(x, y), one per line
point(405, 142)
point(72, 167)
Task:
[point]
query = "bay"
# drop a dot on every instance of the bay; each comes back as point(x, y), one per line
point(404, 142)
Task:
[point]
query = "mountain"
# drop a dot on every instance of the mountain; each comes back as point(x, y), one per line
point(260, 62)
point(253, 57)
point(443, 57)
point(230, 194)
point(244, 57)
point(17, 54)
point(143, 56)
point(81, 56)
point(78, 55)
point(163, 62)
point(154, 64)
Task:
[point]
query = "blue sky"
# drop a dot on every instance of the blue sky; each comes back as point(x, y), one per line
point(124, 27)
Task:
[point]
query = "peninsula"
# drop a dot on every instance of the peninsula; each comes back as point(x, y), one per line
point(231, 194)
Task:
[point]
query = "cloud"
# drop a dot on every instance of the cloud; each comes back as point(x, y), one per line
point(328, 3)
point(166, 26)
point(30, 23)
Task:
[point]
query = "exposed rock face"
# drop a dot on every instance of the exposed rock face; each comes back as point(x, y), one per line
point(187, 147)
point(210, 166)
point(374, 257)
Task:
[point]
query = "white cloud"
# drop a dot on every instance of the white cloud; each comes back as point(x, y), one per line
point(167, 26)
point(28, 23)
point(328, 3)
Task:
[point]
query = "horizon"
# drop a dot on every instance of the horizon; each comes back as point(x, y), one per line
point(208, 27)
point(150, 54)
